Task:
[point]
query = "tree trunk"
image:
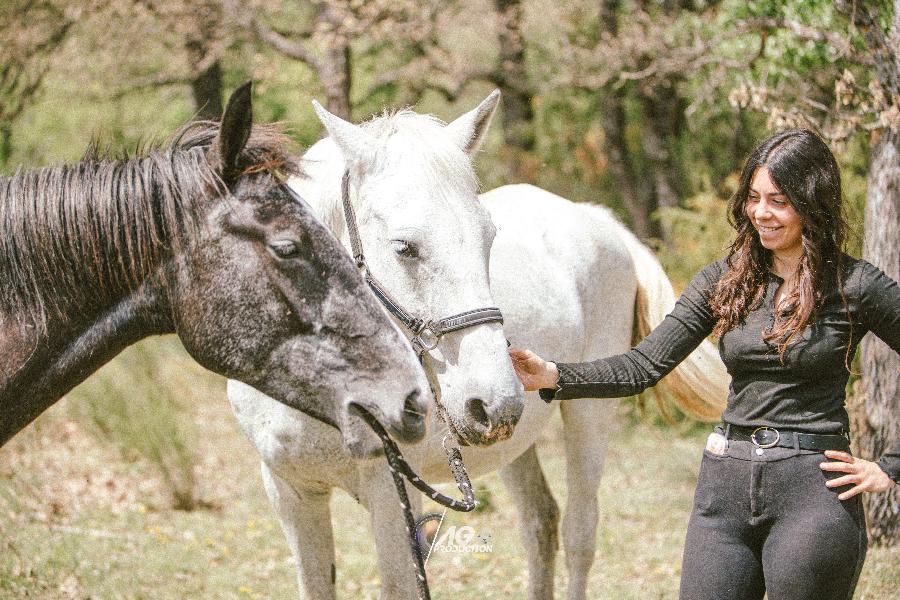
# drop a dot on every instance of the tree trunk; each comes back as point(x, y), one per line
point(334, 67)
point(206, 86)
point(620, 167)
point(5, 144)
point(511, 77)
point(636, 198)
point(875, 420)
point(663, 118)
point(877, 425)
point(334, 73)
point(207, 89)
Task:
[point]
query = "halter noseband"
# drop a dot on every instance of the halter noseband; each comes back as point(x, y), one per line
point(426, 333)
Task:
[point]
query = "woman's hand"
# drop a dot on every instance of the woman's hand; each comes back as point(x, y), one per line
point(865, 474)
point(533, 371)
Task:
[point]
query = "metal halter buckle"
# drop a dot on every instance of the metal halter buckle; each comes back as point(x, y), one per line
point(764, 429)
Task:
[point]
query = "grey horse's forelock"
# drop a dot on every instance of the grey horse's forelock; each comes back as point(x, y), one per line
point(101, 226)
point(422, 137)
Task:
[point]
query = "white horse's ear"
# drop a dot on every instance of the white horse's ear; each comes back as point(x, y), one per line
point(357, 146)
point(469, 130)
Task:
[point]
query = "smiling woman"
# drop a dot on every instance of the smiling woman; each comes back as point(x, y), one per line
point(771, 513)
point(201, 239)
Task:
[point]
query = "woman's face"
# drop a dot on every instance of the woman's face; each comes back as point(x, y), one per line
point(778, 224)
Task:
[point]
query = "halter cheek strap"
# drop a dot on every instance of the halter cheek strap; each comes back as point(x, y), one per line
point(426, 333)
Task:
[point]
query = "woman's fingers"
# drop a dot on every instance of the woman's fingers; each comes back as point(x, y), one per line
point(838, 455)
point(839, 481)
point(531, 369)
point(838, 467)
point(864, 475)
point(857, 489)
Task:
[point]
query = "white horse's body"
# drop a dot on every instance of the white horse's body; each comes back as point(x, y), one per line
point(566, 277)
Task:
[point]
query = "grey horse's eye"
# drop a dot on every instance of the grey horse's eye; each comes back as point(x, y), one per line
point(404, 248)
point(285, 248)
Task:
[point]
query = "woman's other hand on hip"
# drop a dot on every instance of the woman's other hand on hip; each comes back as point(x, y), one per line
point(863, 475)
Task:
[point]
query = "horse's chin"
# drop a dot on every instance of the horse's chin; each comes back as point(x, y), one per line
point(358, 438)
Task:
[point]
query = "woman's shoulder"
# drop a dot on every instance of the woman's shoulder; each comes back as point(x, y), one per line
point(861, 278)
point(706, 279)
point(714, 270)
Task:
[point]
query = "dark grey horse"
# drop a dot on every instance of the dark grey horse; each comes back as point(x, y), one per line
point(203, 240)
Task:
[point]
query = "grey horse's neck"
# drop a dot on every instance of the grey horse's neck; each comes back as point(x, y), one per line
point(39, 368)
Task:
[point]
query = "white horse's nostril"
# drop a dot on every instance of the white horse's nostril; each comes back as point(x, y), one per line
point(477, 413)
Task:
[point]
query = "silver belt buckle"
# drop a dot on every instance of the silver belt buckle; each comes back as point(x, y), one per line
point(764, 429)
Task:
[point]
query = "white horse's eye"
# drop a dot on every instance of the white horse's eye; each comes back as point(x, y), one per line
point(404, 248)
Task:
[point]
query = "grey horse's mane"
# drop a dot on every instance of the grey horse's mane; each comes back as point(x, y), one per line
point(101, 226)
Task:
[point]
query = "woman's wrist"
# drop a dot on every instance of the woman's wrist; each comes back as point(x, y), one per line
point(552, 376)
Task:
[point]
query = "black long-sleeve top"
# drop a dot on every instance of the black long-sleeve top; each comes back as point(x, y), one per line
point(804, 393)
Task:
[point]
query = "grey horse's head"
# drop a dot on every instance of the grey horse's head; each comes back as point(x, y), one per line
point(269, 298)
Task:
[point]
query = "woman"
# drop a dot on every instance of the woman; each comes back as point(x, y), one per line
point(770, 514)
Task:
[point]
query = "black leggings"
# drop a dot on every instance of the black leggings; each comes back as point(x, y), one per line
point(766, 523)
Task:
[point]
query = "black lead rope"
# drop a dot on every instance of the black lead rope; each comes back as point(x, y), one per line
point(399, 469)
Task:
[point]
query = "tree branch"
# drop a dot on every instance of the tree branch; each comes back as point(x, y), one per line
point(801, 31)
point(270, 36)
point(161, 80)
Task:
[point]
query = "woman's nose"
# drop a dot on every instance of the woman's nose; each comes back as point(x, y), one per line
point(761, 210)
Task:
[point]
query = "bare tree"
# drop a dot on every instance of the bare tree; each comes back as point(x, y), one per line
point(200, 29)
point(31, 32)
point(621, 64)
point(877, 425)
point(329, 35)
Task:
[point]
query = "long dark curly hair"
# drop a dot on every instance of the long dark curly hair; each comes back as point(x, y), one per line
point(804, 169)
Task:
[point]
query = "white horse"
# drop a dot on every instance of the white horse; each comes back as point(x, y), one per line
point(572, 283)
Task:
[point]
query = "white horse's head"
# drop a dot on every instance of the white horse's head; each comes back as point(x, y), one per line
point(427, 240)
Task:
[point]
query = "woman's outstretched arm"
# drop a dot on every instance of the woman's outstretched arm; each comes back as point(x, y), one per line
point(689, 323)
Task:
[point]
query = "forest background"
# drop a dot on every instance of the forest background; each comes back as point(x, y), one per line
point(645, 106)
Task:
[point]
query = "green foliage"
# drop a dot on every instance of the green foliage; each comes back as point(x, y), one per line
point(700, 234)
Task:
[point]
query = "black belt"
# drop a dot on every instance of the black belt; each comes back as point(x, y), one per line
point(769, 437)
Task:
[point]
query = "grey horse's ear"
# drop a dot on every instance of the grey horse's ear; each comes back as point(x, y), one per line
point(469, 130)
point(357, 146)
point(237, 122)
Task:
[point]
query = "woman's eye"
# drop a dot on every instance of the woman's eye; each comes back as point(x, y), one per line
point(285, 248)
point(404, 248)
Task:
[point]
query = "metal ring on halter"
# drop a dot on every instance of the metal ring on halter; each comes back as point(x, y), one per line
point(427, 339)
point(765, 429)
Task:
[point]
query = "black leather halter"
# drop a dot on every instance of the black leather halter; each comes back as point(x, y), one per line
point(426, 333)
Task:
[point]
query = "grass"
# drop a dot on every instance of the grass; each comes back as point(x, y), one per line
point(137, 403)
point(79, 519)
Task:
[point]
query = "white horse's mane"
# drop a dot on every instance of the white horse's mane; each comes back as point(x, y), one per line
point(422, 139)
